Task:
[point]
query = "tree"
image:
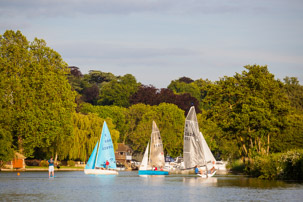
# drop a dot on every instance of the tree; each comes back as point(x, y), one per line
point(152, 96)
point(38, 96)
point(118, 92)
point(91, 94)
point(185, 85)
point(145, 94)
point(294, 92)
point(249, 108)
point(86, 132)
point(115, 113)
point(170, 120)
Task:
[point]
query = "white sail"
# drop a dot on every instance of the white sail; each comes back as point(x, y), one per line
point(144, 163)
point(193, 153)
point(156, 156)
point(209, 157)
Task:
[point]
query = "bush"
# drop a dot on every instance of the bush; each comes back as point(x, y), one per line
point(292, 165)
point(236, 166)
point(71, 163)
point(43, 163)
point(286, 166)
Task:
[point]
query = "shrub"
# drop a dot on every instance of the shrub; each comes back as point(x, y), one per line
point(71, 163)
point(43, 163)
point(236, 166)
point(292, 165)
point(286, 166)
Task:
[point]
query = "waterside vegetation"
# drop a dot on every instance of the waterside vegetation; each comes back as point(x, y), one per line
point(49, 108)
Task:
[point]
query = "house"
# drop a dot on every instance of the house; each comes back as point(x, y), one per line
point(123, 155)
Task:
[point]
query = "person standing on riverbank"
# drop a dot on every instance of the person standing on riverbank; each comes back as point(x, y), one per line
point(51, 169)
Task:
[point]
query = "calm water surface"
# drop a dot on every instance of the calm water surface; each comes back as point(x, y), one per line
point(128, 186)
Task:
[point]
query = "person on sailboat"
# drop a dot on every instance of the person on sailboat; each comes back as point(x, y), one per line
point(197, 171)
point(106, 164)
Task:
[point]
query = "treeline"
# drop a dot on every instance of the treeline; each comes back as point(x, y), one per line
point(48, 108)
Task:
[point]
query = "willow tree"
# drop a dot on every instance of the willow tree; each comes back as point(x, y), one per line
point(86, 132)
point(38, 96)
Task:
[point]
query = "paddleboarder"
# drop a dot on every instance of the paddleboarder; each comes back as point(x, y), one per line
point(51, 169)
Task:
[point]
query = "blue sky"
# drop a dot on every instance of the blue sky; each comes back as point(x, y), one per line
point(162, 40)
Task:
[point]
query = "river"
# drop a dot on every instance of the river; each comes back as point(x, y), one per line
point(128, 186)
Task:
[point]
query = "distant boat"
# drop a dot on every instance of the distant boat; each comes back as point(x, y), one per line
point(96, 163)
point(154, 163)
point(195, 150)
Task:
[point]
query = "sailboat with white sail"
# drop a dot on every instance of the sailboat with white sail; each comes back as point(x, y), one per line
point(196, 152)
point(102, 153)
point(153, 162)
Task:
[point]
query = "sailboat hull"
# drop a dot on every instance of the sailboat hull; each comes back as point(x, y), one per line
point(100, 172)
point(208, 175)
point(152, 172)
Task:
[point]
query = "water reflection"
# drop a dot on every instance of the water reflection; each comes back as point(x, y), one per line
point(242, 181)
point(194, 181)
point(128, 186)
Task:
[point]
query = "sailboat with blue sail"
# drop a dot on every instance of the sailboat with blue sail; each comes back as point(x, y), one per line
point(103, 152)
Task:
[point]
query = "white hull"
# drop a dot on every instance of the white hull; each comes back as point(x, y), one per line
point(100, 172)
point(208, 175)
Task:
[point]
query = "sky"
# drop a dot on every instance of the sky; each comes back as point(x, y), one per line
point(158, 41)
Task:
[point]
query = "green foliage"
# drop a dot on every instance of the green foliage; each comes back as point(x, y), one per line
point(38, 97)
point(86, 133)
point(250, 108)
point(236, 166)
point(43, 163)
point(197, 89)
point(286, 166)
point(6, 150)
point(116, 113)
point(294, 92)
point(181, 87)
point(170, 121)
point(118, 92)
point(71, 163)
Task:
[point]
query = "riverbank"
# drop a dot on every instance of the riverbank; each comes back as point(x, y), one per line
point(41, 169)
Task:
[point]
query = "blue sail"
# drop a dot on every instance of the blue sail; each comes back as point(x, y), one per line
point(92, 159)
point(106, 149)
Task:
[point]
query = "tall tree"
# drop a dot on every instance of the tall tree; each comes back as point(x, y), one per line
point(294, 92)
point(251, 108)
point(118, 92)
point(152, 96)
point(38, 97)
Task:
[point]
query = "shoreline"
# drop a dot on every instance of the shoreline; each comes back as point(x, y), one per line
point(39, 169)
